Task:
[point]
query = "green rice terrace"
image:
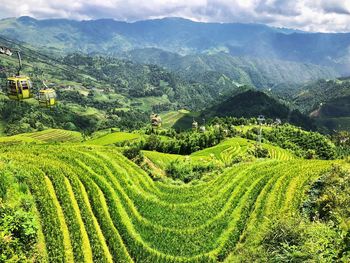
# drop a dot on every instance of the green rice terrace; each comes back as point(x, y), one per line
point(199, 132)
point(86, 202)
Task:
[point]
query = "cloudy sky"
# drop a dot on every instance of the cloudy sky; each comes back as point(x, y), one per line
point(309, 15)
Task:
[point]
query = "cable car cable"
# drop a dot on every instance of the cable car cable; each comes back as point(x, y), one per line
point(21, 44)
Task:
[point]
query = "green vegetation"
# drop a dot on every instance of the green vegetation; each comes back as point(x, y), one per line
point(185, 170)
point(301, 142)
point(309, 97)
point(327, 101)
point(320, 233)
point(19, 227)
point(115, 137)
point(251, 104)
point(199, 222)
point(246, 70)
point(46, 136)
point(54, 135)
point(170, 118)
point(162, 160)
point(232, 150)
point(180, 143)
point(218, 201)
point(90, 181)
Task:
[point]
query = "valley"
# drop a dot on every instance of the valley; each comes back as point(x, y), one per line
point(172, 140)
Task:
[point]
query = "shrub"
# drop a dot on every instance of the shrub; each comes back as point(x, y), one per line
point(329, 196)
point(297, 240)
point(5, 183)
point(259, 152)
point(18, 234)
point(187, 171)
point(180, 170)
point(134, 154)
point(242, 158)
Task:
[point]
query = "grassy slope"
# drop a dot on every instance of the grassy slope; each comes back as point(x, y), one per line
point(170, 118)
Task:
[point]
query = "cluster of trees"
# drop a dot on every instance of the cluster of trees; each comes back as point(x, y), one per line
point(233, 121)
point(302, 143)
point(90, 100)
point(184, 143)
point(24, 117)
point(161, 107)
point(186, 170)
point(18, 234)
point(309, 145)
point(342, 141)
point(126, 77)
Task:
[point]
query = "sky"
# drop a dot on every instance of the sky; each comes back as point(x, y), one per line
point(307, 15)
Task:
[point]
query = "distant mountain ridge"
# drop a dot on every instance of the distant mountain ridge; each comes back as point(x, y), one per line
point(185, 37)
point(327, 101)
point(258, 72)
point(310, 96)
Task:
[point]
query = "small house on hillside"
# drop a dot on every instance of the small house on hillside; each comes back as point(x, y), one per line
point(156, 120)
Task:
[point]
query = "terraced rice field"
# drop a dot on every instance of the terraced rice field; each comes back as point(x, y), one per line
point(95, 205)
point(46, 136)
point(180, 120)
point(224, 152)
point(162, 160)
point(170, 118)
point(55, 135)
point(114, 138)
point(231, 148)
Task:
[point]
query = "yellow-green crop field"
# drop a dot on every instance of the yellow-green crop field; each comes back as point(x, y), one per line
point(94, 205)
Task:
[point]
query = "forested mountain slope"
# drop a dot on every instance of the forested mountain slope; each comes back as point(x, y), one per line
point(248, 70)
point(253, 103)
point(327, 101)
point(181, 36)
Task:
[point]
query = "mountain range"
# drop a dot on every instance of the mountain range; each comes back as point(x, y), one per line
point(169, 63)
point(248, 70)
point(184, 37)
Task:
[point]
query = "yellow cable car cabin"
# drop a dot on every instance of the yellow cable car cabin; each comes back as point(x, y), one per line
point(19, 88)
point(47, 97)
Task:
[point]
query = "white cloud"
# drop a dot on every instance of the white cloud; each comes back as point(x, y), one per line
point(310, 15)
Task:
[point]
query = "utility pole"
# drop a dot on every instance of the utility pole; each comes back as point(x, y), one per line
point(261, 119)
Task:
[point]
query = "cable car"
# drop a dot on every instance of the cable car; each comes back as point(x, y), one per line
point(19, 88)
point(47, 97)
